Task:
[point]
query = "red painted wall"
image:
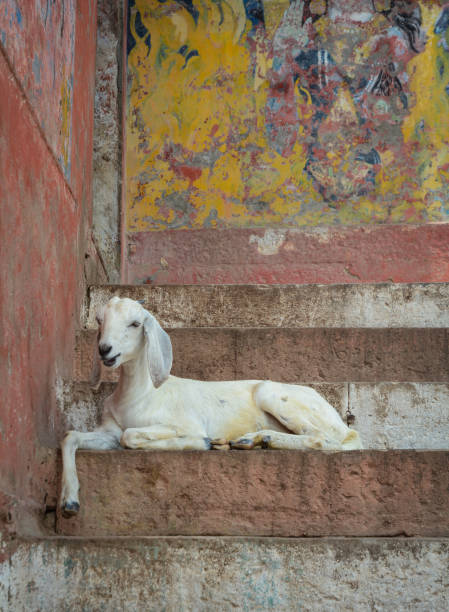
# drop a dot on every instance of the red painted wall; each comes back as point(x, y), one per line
point(45, 217)
point(369, 254)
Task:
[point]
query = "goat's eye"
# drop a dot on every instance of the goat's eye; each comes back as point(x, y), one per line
point(134, 324)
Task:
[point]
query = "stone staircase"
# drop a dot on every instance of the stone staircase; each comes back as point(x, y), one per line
point(380, 352)
point(261, 530)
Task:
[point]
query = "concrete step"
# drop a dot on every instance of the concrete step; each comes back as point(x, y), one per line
point(207, 573)
point(387, 415)
point(291, 306)
point(321, 333)
point(381, 350)
point(262, 493)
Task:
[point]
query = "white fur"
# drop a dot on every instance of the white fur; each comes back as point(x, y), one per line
point(152, 410)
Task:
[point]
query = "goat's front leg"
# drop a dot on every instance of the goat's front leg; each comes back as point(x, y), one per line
point(160, 437)
point(103, 438)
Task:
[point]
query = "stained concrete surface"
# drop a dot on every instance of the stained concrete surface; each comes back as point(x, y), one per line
point(107, 137)
point(401, 415)
point(248, 574)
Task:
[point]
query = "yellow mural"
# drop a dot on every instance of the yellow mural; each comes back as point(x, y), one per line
point(243, 114)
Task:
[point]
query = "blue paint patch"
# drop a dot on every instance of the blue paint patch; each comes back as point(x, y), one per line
point(141, 30)
point(36, 69)
point(130, 41)
point(442, 23)
point(19, 16)
point(155, 553)
point(193, 53)
point(254, 12)
point(3, 37)
point(190, 7)
point(69, 566)
point(162, 54)
point(277, 63)
point(274, 104)
point(372, 157)
point(148, 43)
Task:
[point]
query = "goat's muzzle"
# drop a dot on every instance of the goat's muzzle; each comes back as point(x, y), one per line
point(104, 349)
point(111, 361)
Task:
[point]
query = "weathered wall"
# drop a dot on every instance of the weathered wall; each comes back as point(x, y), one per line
point(39, 40)
point(108, 136)
point(251, 124)
point(47, 55)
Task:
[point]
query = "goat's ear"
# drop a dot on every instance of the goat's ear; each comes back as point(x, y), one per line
point(159, 350)
point(95, 375)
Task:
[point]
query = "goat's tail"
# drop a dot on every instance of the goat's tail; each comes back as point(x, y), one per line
point(352, 441)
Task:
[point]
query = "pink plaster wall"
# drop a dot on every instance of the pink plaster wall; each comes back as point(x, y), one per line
point(45, 217)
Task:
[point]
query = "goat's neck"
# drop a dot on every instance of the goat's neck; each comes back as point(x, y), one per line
point(134, 380)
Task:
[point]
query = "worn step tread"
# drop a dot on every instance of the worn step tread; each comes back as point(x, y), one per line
point(345, 305)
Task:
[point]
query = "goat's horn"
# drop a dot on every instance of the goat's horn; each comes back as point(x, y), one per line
point(141, 301)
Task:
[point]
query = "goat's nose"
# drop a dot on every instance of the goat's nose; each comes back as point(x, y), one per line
point(104, 349)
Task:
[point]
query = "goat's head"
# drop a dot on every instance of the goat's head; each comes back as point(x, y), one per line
point(125, 330)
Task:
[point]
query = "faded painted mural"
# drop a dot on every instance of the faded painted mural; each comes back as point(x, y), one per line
point(39, 40)
point(243, 113)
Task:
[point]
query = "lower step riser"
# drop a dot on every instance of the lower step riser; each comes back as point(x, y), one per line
point(215, 573)
point(270, 493)
point(285, 355)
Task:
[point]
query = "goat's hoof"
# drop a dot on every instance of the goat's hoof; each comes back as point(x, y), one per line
point(70, 509)
point(242, 444)
point(219, 444)
point(266, 442)
point(218, 441)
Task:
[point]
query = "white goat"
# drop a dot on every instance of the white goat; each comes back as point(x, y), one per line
point(152, 410)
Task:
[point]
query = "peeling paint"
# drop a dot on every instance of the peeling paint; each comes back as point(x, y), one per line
point(37, 69)
point(66, 126)
point(316, 117)
point(40, 43)
point(270, 242)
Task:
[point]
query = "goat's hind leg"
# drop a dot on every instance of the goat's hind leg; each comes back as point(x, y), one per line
point(306, 413)
point(268, 438)
point(100, 439)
